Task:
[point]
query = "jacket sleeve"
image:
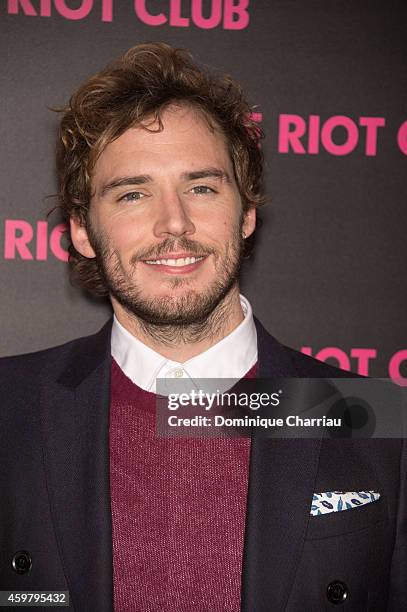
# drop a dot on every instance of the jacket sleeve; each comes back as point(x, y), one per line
point(398, 577)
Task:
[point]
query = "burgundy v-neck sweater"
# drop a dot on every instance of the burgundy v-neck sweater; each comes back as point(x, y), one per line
point(178, 511)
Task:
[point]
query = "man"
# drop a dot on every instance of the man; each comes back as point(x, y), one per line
point(160, 177)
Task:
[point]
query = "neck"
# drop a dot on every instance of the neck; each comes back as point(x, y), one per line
point(180, 343)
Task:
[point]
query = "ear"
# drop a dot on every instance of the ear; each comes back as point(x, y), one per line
point(80, 238)
point(249, 222)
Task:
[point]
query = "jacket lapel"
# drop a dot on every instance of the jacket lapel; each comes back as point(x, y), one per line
point(281, 483)
point(75, 422)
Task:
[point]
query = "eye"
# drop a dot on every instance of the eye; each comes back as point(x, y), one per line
point(132, 196)
point(202, 190)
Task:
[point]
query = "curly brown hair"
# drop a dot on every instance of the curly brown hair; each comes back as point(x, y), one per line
point(136, 87)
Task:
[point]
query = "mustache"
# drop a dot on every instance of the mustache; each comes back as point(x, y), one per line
point(170, 245)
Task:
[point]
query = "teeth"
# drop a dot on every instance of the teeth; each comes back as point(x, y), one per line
point(183, 261)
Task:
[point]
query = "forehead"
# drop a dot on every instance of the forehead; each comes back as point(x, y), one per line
point(186, 142)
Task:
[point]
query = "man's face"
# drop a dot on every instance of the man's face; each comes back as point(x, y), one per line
point(165, 220)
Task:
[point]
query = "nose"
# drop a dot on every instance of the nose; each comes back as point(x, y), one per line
point(173, 218)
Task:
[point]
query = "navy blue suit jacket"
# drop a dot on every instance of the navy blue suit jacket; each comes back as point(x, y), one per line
point(55, 502)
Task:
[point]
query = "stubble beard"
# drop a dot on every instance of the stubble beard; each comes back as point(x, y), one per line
point(183, 319)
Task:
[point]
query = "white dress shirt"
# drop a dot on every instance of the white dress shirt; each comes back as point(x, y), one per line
point(230, 358)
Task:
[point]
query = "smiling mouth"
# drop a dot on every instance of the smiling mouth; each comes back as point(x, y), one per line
point(178, 263)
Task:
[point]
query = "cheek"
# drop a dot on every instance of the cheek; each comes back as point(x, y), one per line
point(122, 236)
point(222, 225)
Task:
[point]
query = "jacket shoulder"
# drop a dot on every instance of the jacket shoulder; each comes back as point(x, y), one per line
point(286, 361)
point(37, 359)
point(30, 365)
point(310, 367)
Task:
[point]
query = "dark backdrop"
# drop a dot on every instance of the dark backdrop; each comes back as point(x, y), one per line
point(329, 83)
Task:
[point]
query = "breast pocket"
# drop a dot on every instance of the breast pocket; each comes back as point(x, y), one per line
point(347, 521)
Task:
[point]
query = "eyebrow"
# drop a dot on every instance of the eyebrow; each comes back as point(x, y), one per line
point(142, 179)
point(206, 173)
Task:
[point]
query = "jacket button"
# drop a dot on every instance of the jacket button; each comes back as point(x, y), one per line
point(22, 562)
point(337, 592)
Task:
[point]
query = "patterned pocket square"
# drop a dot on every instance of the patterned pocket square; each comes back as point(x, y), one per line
point(335, 501)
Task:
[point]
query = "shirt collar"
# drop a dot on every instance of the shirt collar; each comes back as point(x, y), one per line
point(232, 357)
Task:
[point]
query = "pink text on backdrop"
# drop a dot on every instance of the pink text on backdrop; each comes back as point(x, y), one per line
point(45, 8)
point(402, 137)
point(362, 357)
point(25, 241)
point(230, 14)
point(306, 136)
